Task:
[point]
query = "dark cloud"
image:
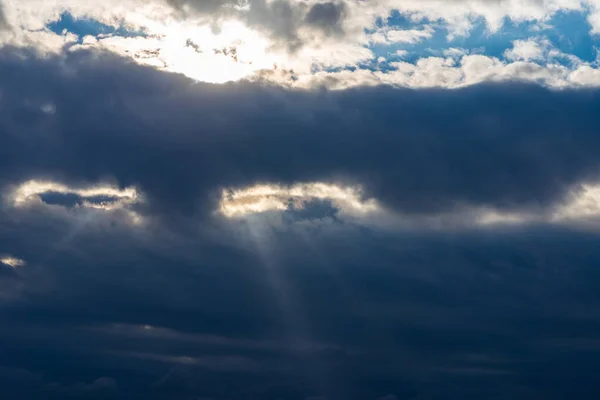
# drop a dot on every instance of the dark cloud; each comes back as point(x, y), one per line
point(327, 16)
point(280, 19)
point(186, 317)
point(311, 210)
point(103, 384)
point(194, 307)
point(422, 151)
point(73, 199)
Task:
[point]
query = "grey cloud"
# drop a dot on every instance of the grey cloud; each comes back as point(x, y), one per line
point(403, 312)
point(427, 151)
point(280, 19)
point(72, 199)
point(344, 312)
point(327, 16)
point(311, 210)
point(202, 6)
point(101, 384)
point(20, 375)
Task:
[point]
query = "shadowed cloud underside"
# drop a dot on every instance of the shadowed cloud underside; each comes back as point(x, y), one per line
point(427, 230)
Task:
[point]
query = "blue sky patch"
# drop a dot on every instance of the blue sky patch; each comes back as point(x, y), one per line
point(568, 32)
point(86, 26)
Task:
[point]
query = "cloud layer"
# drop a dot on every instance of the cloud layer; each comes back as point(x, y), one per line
point(182, 143)
point(164, 237)
point(335, 44)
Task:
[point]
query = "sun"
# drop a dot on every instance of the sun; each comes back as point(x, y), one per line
point(232, 53)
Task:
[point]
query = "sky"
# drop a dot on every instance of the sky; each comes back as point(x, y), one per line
point(299, 200)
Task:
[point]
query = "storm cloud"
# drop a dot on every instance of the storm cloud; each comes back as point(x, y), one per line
point(423, 151)
point(296, 302)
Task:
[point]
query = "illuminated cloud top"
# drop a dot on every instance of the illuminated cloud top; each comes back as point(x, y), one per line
point(337, 44)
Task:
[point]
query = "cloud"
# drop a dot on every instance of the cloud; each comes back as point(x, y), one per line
point(283, 21)
point(203, 6)
point(455, 285)
point(395, 142)
point(527, 50)
point(12, 262)
point(3, 22)
point(308, 45)
point(455, 71)
point(102, 384)
point(328, 17)
point(311, 210)
point(49, 191)
point(410, 36)
point(264, 198)
point(193, 304)
point(455, 52)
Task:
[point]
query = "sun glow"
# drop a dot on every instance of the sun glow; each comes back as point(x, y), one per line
point(584, 203)
point(262, 198)
point(100, 197)
point(31, 190)
point(12, 262)
point(231, 54)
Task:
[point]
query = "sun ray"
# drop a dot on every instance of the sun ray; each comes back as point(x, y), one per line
point(261, 235)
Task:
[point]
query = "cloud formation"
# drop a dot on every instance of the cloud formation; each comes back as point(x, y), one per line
point(328, 17)
point(333, 44)
point(448, 149)
point(427, 230)
point(3, 23)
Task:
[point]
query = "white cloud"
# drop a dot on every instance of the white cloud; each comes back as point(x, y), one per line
point(583, 203)
point(407, 36)
point(263, 198)
point(585, 75)
point(455, 52)
point(44, 42)
point(527, 50)
point(31, 190)
point(402, 53)
point(192, 47)
point(581, 208)
point(30, 193)
point(446, 72)
point(12, 262)
point(460, 14)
